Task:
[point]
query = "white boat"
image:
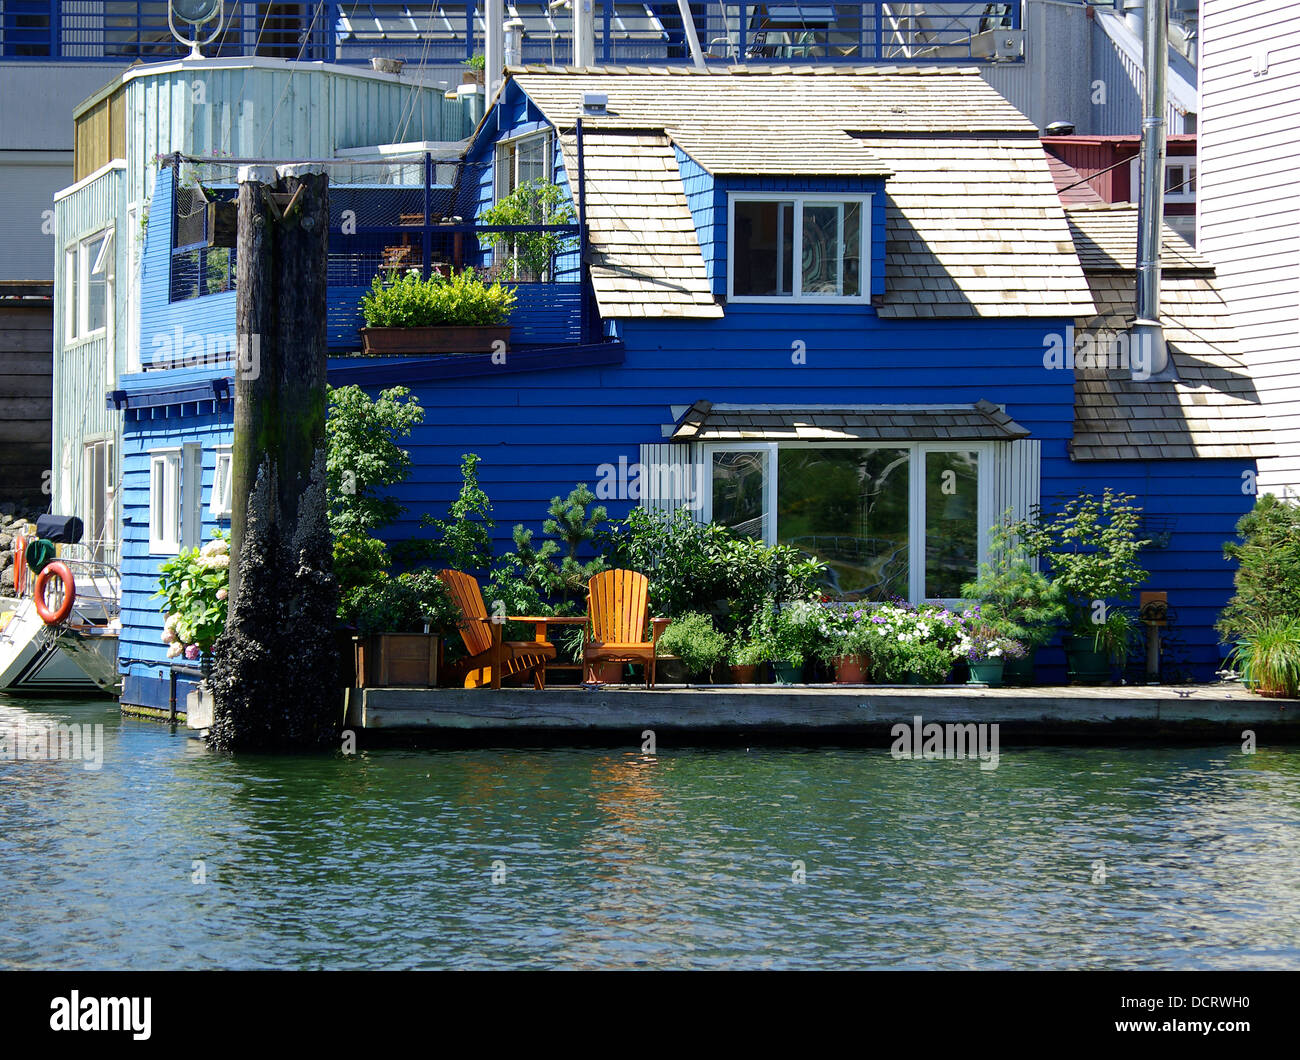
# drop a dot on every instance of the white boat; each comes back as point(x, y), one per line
point(78, 655)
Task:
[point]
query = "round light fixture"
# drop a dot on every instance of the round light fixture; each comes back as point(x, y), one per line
point(196, 12)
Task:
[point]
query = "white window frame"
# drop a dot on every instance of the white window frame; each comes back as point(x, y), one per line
point(93, 451)
point(220, 506)
point(191, 495)
point(165, 510)
point(916, 494)
point(516, 142)
point(78, 267)
point(797, 297)
point(1188, 162)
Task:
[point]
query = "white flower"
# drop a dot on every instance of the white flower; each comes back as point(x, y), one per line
point(174, 649)
point(172, 619)
point(168, 636)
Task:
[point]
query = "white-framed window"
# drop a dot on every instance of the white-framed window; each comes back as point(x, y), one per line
point(165, 501)
point(803, 248)
point(1180, 179)
point(220, 506)
point(520, 160)
point(191, 495)
point(98, 500)
point(87, 275)
point(890, 519)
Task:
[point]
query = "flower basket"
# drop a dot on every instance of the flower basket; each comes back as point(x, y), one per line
point(986, 672)
point(449, 338)
point(397, 660)
point(852, 669)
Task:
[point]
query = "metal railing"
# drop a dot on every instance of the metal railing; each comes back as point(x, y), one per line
point(448, 33)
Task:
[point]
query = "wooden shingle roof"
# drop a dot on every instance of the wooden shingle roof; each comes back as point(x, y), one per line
point(982, 421)
point(975, 228)
point(1213, 409)
point(645, 255)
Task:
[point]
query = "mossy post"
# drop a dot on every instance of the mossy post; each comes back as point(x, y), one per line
point(274, 681)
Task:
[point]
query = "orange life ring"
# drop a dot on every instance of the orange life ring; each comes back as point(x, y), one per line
point(53, 618)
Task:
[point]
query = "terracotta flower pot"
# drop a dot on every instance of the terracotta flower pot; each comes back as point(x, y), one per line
point(852, 669)
point(744, 675)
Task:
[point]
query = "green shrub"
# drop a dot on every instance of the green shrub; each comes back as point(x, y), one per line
point(363, 455)
point(1269, 656)
point(403, 605)
point(693, 639)
point(1092, 544)
point(463, 540)
point(1016, 600)
point(1267, 581)
point(440, 301)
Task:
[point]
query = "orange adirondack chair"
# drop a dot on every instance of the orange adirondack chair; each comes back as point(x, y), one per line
point(490, 658)
point(618, 611)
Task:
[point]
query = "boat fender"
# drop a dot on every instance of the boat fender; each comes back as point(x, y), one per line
point(58, 570)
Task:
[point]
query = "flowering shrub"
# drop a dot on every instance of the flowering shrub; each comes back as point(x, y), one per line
point(904, 641)
point(194, 587)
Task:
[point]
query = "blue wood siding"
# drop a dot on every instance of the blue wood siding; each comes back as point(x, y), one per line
point(141, 651)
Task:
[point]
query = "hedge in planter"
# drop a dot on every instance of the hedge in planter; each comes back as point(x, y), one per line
point(457, 313)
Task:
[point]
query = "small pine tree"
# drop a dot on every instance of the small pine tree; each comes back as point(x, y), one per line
point(464, 539)
point(553, 566)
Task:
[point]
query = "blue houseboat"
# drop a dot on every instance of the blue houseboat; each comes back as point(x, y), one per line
point(785, 281)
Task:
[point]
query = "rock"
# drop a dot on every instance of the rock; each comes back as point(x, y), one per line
point(7, 581)
point(6, 560)
point(6, 542)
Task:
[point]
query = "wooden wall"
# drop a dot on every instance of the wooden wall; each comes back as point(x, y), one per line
point(26, 352)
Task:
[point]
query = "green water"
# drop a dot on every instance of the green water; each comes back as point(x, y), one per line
point(614, 859)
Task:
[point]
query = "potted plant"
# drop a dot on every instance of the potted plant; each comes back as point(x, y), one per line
point(693, 640)
point(475, 69)
point(1023, 603)
point(1268, 656)
point(453, 313)
point(745, 657)
point(987, 649)
point(525, 256)
point(851, 648)
point(1093, 545)
point(401, 622)
point(793, 633)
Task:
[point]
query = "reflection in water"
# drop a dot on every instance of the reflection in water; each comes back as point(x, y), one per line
point(611, 858)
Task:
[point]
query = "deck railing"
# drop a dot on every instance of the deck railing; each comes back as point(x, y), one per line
point(447, 33)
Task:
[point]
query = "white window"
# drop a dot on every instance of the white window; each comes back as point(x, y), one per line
point(220, 506)
point(165, 501)
point(798, 247)
point(890, 520)
point(522, 160)
point(98, 500)
point(1180, 179)
point(88, 273)
point(191, 495)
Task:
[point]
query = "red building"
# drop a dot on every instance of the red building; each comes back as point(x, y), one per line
point(1108, 168)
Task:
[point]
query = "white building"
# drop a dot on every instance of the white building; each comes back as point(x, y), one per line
point(1249, 209)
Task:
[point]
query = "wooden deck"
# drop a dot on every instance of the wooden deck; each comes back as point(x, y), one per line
point(833, 712)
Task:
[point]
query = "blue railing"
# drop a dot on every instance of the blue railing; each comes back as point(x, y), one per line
point(442, 34)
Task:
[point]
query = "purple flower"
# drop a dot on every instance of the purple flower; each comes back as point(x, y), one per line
point(192, 652)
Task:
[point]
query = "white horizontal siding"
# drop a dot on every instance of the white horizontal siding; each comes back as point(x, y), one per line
point(1248, 210)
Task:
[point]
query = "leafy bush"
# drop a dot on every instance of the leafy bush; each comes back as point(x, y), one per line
point(1093, 545)
point(461, 298)
point(693, 639)
point(696, 566)
point(1267, 581)
point(535, 202)
point(403, 605)
point(363, 455)
point(194, 587)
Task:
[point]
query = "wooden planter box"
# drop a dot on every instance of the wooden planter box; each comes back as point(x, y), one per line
point(419, 341)
point(398, 660)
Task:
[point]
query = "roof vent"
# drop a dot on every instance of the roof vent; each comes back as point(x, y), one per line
point(1060, 128)
point(595, 103)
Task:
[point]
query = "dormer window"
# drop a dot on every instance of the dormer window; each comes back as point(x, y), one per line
point(808, 248)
